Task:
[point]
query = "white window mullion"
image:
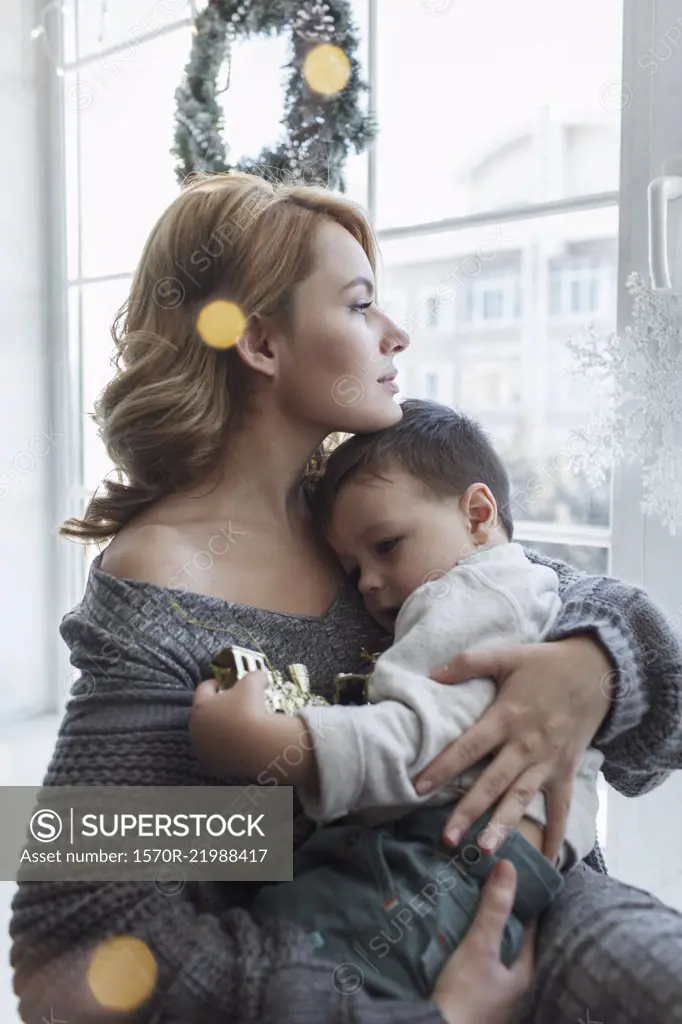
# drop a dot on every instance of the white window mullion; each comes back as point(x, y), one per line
point(645, 838)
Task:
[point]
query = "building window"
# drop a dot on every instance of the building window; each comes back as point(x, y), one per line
point(426, 313)
point(493, 304)
point(431, 387)
point(432, 309)
point(578, 287)
point(555, 293)
point(487, 387)
point(493, 299)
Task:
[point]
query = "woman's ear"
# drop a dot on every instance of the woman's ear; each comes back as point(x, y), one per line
point(480, 508)
point(258, 346)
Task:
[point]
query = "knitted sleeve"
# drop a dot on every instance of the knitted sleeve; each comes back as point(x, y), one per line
point(641, 736)
point(214, 965)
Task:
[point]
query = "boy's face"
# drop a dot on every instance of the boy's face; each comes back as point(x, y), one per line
point(392, 536)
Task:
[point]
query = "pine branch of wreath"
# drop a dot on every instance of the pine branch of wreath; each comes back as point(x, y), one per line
point(320, 131)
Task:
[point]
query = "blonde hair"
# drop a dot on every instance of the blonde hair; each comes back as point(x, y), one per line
point(166, 416)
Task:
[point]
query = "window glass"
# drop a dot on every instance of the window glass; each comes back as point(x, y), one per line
point(105, 25)
point(481, 108)
point(126, 172)
point(511, 372)
point(99, 303)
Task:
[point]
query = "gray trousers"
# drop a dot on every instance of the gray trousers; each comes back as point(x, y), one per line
point(608, 953)
point(391, 901)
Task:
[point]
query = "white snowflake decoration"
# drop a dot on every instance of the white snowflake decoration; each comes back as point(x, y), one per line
point(638, 379)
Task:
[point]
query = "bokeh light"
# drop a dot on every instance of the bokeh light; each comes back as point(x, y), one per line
point(326, 69)
point(221, 324)
point(122, 974)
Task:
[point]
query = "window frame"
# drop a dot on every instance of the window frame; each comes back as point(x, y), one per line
point(643, 551)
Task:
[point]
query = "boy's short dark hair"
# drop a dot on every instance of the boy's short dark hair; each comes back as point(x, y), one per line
point(443, 449)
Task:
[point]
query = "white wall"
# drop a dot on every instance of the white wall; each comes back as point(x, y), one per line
point(33, 457)
point(24, 417)
point(31, 443)
point(26, 449)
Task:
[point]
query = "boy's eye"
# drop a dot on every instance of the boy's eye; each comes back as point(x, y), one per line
point(385, 547)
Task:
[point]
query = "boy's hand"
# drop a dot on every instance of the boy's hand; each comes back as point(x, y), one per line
point(240, 706)
point(232, 732)
point(225, 725)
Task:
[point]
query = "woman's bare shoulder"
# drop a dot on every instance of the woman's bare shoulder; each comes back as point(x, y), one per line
point(149, 553)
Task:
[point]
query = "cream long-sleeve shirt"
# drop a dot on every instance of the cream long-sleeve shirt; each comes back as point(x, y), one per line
point(368, 755)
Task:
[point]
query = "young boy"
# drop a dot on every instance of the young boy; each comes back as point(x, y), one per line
point(419, 515)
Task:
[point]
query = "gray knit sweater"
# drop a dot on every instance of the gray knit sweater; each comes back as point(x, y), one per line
point(141, 650)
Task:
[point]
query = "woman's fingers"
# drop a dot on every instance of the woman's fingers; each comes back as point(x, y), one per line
point(467, 750)
point(474, 986)
point(473, 665)
point(514, 806)
point(484, 794)
point(558, 801)
point(497, 901)
point(495, 906)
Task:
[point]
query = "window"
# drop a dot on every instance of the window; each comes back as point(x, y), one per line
point(395, 305)
point(431, 382)
point(432, 308)
point(99, 304)
point(423, 314)
point(124, 23)
point(493, 303)
point(126, 174)
point(593, 560)
point(479, 111)
point(484, 386)
point(580, 287)
point(431, 386)
point(490, 299)
point(508, 383)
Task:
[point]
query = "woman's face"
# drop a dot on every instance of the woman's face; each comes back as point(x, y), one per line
point(337, 369)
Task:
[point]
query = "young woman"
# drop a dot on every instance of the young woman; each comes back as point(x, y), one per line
point(213, 544)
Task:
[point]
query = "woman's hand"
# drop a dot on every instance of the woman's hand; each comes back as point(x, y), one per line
point(552, 699)
point(475, 987)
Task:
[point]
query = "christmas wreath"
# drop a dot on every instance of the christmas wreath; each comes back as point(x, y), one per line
point(323, 119)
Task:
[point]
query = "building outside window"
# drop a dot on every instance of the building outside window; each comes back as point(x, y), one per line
point(580, 287)
point(493, 299)
point(431, 386)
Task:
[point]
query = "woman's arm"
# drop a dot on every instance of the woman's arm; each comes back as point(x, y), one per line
point(641, 735)
point(214, 964)
point(611, 679)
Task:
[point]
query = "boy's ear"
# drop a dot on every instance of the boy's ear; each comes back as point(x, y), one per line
point(480, 507)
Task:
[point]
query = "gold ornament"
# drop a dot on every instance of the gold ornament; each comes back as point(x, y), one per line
point(285, 695)
point(292, 693)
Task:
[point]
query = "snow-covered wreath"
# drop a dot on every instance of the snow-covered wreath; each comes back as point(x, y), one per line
point(323, 117)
